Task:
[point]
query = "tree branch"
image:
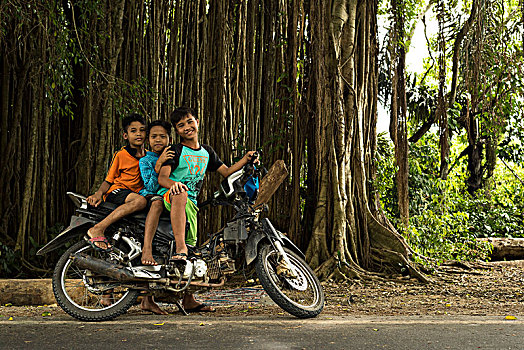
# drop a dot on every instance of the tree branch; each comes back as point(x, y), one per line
point(456, 51)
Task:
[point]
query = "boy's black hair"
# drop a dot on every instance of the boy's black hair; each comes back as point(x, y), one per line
point(133, 117)
point(180, 113)
point(165, 124)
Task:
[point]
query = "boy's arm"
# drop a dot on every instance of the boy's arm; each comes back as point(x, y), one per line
point(166, 155)
point(96, 198)
point(166, 182)
point(149, 176)
point(225, 171)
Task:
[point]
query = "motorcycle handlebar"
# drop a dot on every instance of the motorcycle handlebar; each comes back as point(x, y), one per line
point(254, 157)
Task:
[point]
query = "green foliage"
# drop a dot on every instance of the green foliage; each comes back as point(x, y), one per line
point(498, 211)
point(512, 147)
point(9, 262)
point(445, 236)
point(445, 220)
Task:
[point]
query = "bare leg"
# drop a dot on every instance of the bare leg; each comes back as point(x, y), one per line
point(134, 202)
point(107, 299)
point(148, 304)
point(178, 220)
point(151, 225)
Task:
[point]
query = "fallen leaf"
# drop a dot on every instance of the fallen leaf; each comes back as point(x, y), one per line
point(8, 304)
point(10, 318)
point(448, 305)
point(202, 324)
point(510, 318)
point(375, 329)
point(159, 324)
point(46, 314)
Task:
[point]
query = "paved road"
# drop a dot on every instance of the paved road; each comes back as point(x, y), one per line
point(264, 332)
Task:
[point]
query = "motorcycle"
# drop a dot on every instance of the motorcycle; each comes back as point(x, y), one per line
point(92, 285)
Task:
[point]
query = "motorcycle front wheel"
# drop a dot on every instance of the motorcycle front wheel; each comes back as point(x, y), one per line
point(300, 295)
point(86, 295)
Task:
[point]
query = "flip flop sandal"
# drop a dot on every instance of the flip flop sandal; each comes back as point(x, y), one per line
point(102, 239)
point(182, 255)
point(199, 309)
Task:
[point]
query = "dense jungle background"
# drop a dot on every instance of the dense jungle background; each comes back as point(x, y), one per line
point(305, 81)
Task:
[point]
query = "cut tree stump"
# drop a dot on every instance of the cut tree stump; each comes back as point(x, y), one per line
point(506, 248)
point(270, 183)
point(26, 292)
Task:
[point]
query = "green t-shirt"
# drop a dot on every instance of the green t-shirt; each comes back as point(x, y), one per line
point(189, 166)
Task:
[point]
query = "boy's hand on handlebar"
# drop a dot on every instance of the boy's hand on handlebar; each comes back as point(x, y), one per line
point(94, 199)
point(167, 154)
point(250, 155)
point(178, 188)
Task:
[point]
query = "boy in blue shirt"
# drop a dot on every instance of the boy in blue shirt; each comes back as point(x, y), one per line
point(158, 132)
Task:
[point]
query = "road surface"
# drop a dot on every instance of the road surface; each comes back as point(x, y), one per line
point(264, 332)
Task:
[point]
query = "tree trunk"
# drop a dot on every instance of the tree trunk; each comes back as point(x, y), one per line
point(441, 113)
point(347, 238)
point(399, 111)
point(506, 248)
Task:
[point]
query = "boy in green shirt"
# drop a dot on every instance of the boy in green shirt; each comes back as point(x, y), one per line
point(181, 178)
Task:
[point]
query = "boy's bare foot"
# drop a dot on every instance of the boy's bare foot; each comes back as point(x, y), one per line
point(148, 304)
point(147, 258)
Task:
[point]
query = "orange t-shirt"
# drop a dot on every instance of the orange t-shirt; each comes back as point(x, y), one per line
point(124, 172)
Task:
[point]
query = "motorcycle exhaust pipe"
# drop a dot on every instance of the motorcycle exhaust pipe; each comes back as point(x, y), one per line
point(102, 267)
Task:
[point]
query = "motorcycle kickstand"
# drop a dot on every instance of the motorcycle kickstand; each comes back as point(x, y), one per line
point(181, 308)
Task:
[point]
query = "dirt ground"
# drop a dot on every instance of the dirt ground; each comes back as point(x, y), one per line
point(495, 291)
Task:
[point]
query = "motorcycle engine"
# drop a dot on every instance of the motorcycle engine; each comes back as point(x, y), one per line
point(198, 266)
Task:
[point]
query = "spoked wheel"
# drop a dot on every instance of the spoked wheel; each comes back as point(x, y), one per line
point(88, 296)
point(300, 295)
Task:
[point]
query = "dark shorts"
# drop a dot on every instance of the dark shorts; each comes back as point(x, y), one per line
point(151, 198)
point(118, 196)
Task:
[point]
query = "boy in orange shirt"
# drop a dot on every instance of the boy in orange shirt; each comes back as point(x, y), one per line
point(123, 181)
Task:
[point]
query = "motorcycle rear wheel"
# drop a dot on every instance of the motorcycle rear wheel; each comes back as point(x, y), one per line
point(80, 292)
point(302, 296)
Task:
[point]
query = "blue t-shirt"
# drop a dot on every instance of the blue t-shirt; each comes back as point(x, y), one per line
point(189, 166)
point(148, 173)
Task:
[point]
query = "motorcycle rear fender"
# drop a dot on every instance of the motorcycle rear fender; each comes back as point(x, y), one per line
point(254, 240)
point(77, 227)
